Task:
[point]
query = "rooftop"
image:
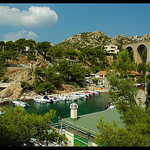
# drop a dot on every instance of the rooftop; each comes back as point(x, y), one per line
point(101, 72)
point(88, 123)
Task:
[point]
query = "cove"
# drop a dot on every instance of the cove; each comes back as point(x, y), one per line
point(93, 104)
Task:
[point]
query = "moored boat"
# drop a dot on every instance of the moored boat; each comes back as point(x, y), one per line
point(81, 95)
point(20, 103)
point(44, 99)
point(62, 98)
point(55, 100)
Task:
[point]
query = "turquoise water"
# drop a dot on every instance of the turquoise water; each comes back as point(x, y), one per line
point(93, 104)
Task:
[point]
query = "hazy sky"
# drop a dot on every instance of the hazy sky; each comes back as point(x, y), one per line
point(55, 22)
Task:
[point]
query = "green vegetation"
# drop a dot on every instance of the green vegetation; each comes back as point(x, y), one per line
point(95, 56)
point(136, 119)
point(141, 68)
point(5, 79)
point(26, 86)
point(68, 62)
point(147, 66)
point(46, 79)
point(51, 78)
point(118, 76)
point(18, 127)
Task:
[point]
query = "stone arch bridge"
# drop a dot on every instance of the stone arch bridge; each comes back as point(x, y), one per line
point(141, 51)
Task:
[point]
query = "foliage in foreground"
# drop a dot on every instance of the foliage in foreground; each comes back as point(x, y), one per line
point(136, 119)
point(136, 132)
point(17, 127)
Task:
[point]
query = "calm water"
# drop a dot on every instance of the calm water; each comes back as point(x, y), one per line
point(94, 104)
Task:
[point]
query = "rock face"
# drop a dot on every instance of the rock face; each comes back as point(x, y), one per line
point(97, 38)
point(93, 39)
point(24, 73)
point(11, 92)
point(18, 74)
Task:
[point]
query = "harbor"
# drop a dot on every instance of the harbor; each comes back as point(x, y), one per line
point(95, 103)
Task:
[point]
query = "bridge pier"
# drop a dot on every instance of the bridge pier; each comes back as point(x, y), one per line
point(141, 51)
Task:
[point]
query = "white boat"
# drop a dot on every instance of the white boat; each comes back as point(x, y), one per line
point(88, 94)
point(111, 106)
point(74, 97)
point(20, 103)
point(55, 100)
point(81, 95)
point(44, 99)
point(37, 99)
point(95, 92)
point(62, 98)
point(47, 99)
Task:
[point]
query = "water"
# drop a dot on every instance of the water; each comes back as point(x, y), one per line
point(93, 104)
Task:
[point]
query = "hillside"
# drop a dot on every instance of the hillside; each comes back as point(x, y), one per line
point(59, 67)
point(97, 38)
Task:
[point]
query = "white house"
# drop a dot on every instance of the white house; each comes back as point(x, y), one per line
point(101, 74)
point(111, 49)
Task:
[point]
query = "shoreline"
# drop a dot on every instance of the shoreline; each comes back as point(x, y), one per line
point(27, 96)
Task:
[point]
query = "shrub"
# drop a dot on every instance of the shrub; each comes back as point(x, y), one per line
point(26, 86)
point(45, 86)
point(5, 80)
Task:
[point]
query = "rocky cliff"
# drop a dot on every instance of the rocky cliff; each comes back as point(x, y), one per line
point(23, 71)
point(98, 38)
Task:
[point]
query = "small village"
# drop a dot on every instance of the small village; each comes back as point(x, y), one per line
point(74, 75)
point(71, 127)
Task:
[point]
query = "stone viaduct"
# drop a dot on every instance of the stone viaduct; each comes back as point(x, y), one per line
point(138, 49)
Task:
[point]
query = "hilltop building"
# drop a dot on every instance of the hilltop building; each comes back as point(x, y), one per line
point(111, 49)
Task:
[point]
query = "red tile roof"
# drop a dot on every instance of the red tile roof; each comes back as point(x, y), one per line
point(101, 73)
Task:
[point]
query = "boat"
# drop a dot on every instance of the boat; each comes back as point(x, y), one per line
point(81, 95)
point(90, 93)
point(111, 106)
point(62, 98)
point(20, 103)
point(37, 99)
point(94, 92)
point(73, 97)
point(55, 100)
point(44, 99)
point(47, 99)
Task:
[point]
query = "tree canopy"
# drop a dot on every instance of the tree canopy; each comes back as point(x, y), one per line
point(18, 127)
point(136, 118)
point(47, 79)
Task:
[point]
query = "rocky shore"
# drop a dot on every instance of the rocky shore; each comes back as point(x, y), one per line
point(12, 93)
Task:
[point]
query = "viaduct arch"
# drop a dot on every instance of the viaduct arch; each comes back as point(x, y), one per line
point(141, 51)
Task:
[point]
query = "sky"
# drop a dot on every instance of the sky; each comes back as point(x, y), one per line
point(55, 22)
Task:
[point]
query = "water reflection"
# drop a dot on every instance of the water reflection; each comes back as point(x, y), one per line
point(93, 104)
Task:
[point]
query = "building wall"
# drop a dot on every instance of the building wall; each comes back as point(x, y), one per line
point(113, 49)
point(76, 138)
point(110, 59)
point(70, 137)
